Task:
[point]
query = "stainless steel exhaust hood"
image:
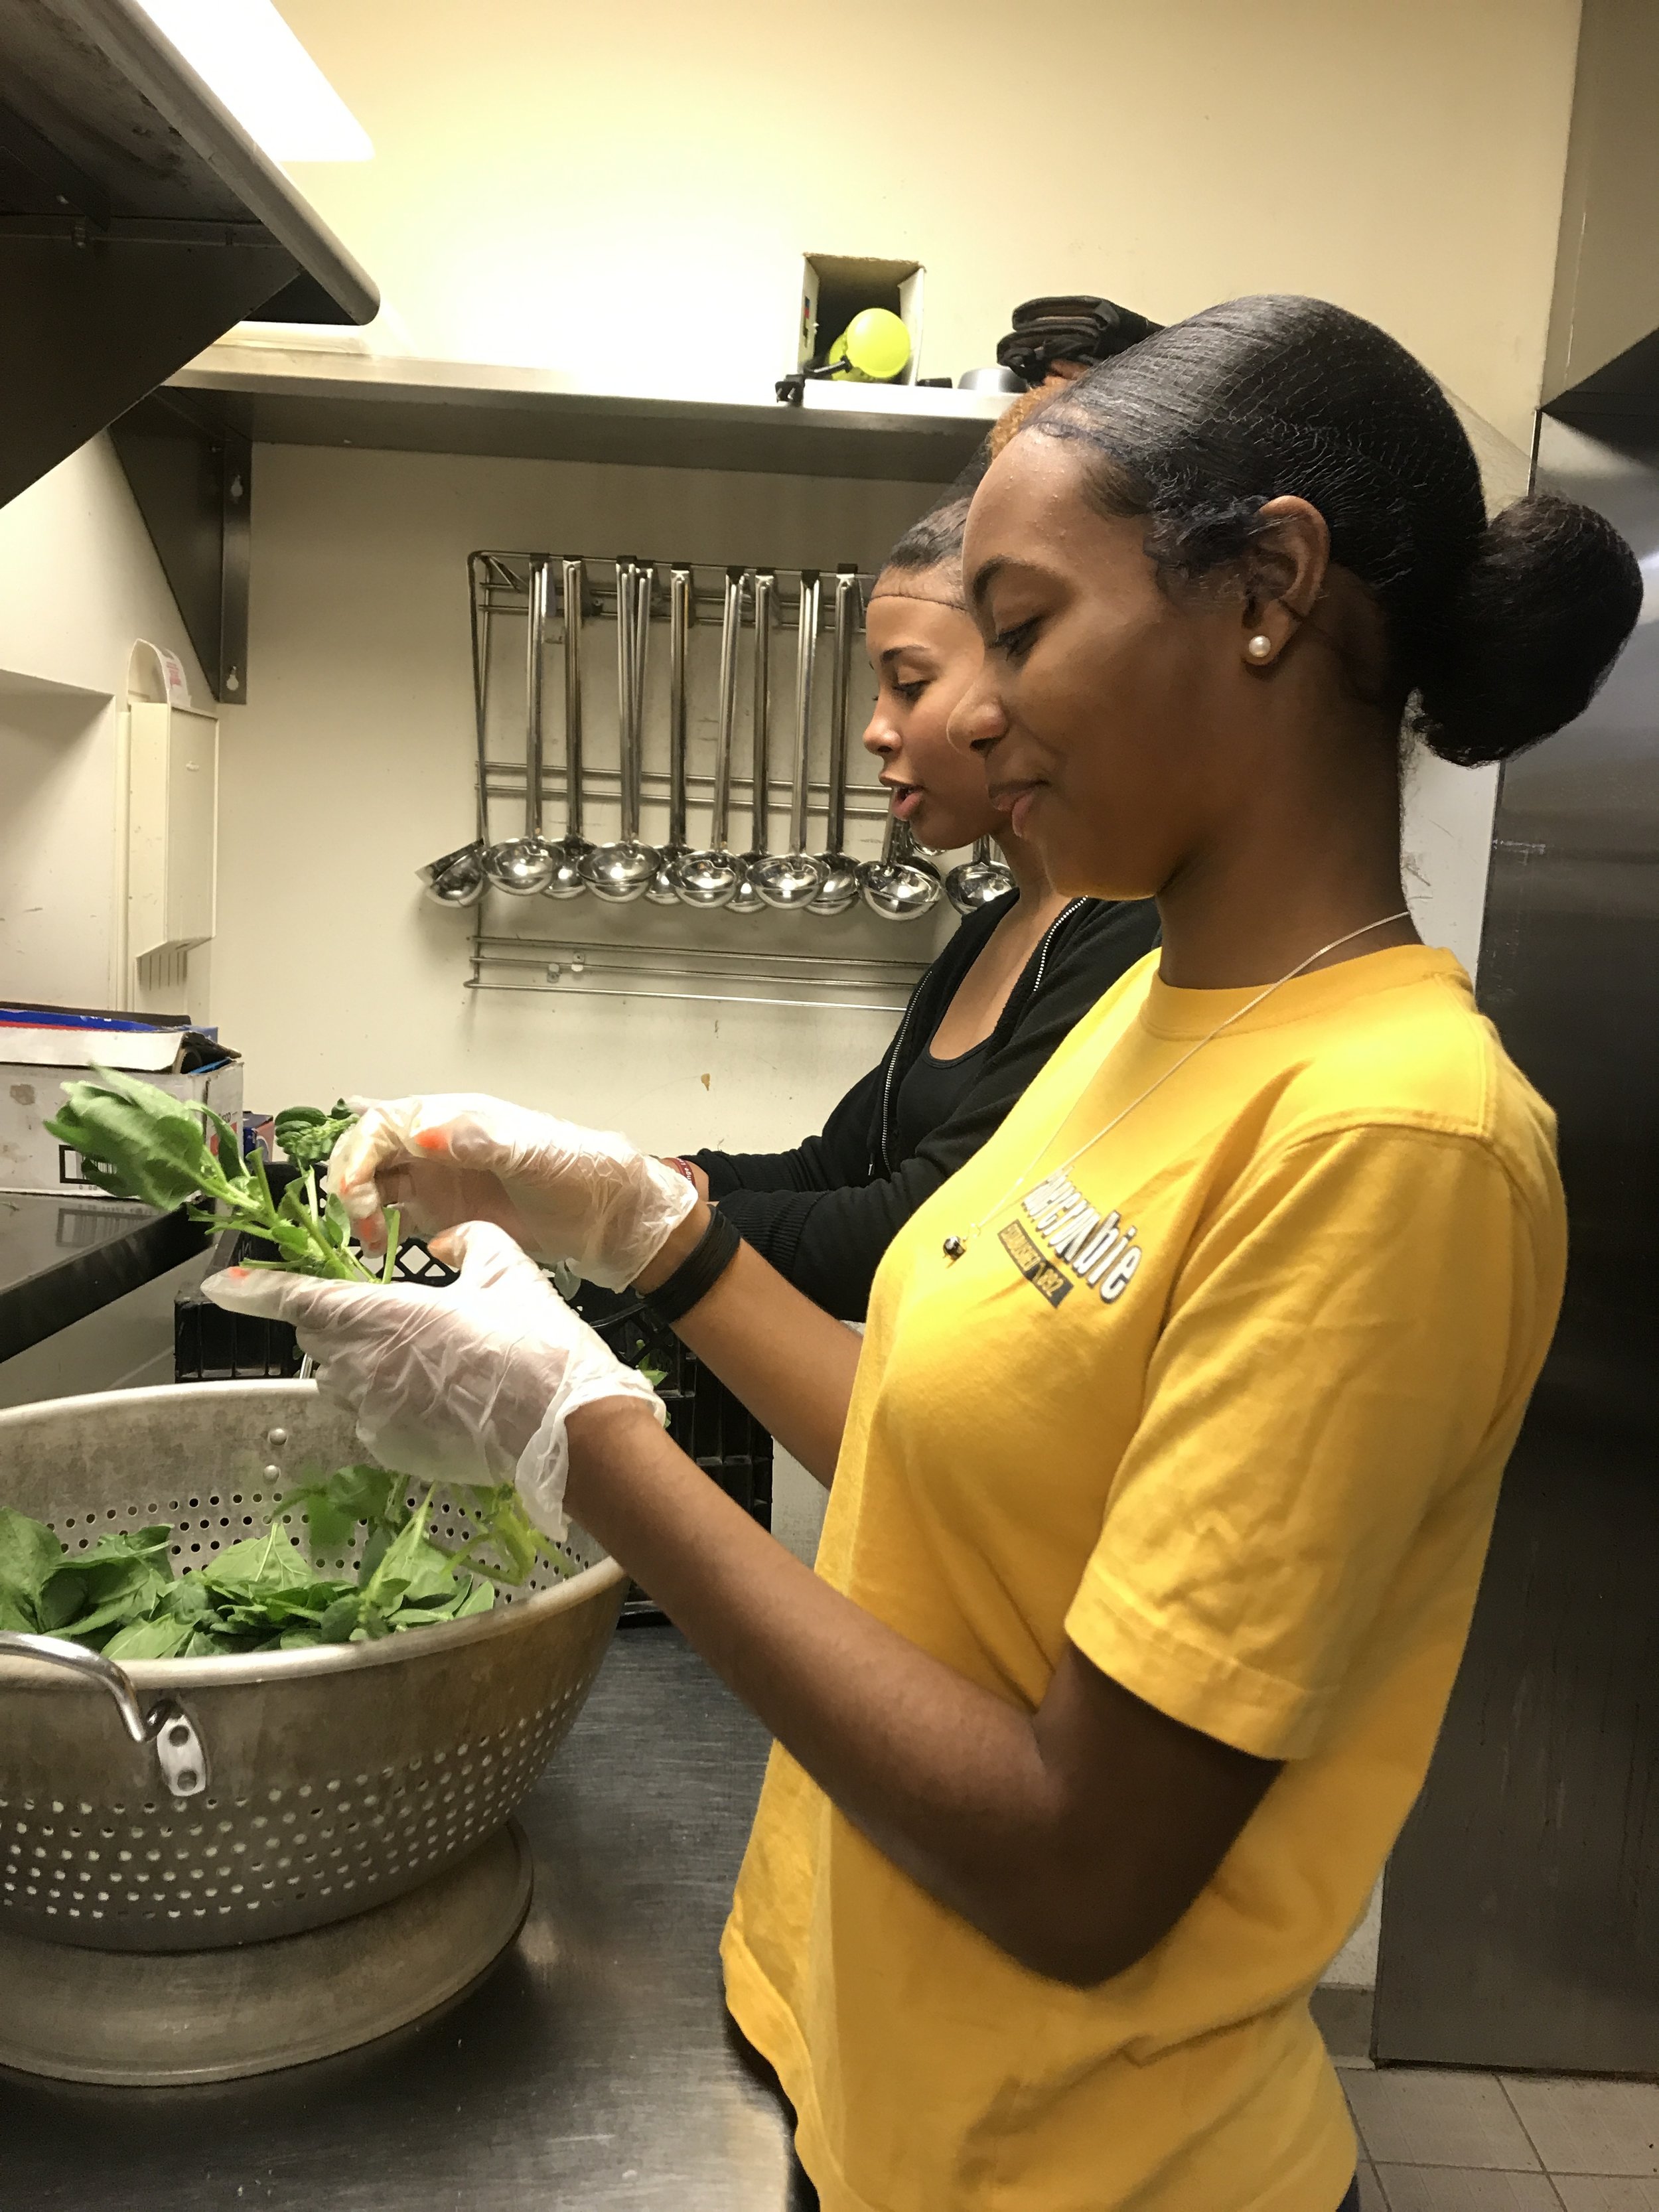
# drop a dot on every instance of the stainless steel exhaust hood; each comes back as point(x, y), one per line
point(138, 222)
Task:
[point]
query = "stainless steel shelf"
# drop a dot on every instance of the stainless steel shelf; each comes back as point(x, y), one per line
point(300, 398)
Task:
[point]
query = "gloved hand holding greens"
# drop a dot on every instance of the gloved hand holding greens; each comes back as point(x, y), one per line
point(137, 1141)
point(265, 1593)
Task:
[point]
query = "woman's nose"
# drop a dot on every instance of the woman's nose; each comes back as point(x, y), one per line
point(979, 718)
point(880, 737)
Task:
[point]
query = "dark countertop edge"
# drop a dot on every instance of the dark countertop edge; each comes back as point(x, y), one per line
point(80, 1283)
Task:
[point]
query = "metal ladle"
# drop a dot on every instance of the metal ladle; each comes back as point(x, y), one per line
point(712, 877)
point(839, 886)
point(746, 899)
point(524, 865)
point(901, 885)
point(573, 848)
point(975, 883)
point(794, 878)
point(459, 878)
point(620, 872)
point(662, 889)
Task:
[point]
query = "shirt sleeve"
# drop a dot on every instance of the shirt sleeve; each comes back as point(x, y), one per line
point(1357, 1324)
point(840, 1154)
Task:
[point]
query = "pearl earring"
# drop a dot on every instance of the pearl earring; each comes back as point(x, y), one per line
point(1260, 648)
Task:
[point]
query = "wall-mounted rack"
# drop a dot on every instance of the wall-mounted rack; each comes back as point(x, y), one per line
point(653, 706)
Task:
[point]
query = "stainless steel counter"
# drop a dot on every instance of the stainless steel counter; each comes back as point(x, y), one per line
point(63, 1258)
point(593, 2070)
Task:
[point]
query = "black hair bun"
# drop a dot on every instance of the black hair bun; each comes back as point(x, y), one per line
point(1527, 633)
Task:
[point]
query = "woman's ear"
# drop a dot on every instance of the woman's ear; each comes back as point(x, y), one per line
point(1285, 574)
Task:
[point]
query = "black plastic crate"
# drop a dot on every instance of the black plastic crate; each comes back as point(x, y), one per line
point(212, 1346)
point(709, 1424)
point(706, 1421)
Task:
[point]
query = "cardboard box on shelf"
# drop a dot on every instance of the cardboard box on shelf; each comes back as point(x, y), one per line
point(44, 1048)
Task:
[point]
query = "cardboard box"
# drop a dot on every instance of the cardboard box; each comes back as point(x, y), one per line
point(31, 1157)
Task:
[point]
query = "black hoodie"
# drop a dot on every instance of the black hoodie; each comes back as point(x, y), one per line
point(824, 1213)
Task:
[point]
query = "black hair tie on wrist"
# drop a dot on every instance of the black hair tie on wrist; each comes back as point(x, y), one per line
point(698, 1273)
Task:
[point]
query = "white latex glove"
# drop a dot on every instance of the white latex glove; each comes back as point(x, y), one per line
point(562, 1191)
point(472, 1383)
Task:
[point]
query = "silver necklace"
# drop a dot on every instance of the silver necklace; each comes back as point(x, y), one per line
point(955, 1246)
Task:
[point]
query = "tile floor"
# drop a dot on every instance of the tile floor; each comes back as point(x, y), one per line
point(1444, 2141)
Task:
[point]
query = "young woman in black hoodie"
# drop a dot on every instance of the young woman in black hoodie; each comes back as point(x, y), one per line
point(989, 1012)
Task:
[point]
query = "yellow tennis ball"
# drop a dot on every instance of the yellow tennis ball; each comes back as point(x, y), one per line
point(875, 345)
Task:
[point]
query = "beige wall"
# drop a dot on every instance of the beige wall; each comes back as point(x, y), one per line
point(353, 764)
point(80, 584)
point(626, 193)
point(1608, 278)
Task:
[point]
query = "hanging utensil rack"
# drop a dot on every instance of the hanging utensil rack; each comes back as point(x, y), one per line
point(642, 727)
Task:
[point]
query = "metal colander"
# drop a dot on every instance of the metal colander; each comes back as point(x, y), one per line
point(189, 1804)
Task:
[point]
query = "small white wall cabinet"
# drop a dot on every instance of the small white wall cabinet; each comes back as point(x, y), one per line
point(172, 829)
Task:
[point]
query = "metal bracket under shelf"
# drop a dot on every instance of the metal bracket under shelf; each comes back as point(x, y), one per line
point(582, 968)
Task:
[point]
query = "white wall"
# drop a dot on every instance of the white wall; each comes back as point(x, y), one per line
point(352, 764)
point(79, 584)
point(626, 193)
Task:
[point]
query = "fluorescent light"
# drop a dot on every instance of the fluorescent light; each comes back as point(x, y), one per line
point(244, 51)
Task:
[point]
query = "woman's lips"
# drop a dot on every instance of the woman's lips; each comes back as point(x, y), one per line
point(907, 798)
point(1015, 800)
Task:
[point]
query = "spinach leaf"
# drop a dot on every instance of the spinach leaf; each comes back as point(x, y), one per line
point(337, 1623)
point(116, 1581)
point(333, 1505)
point(256, 1569)
point(29, 1556)
point(409, 1569)
point(144, 1143)
point(163, 1637)
point(481, 1598)
point(261, 1593)
point(139, 1142)
point(308, 1135)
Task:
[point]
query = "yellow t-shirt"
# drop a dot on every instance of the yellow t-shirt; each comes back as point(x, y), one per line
point(1225, 1401)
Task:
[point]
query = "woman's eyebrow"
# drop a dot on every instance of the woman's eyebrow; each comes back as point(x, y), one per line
point(896, 652)
point(985, 575)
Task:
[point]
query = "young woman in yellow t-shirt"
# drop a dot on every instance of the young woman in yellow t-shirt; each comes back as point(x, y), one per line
point(1163, 1477)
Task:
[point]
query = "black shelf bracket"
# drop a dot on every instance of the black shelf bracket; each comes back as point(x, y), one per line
point(193, 481)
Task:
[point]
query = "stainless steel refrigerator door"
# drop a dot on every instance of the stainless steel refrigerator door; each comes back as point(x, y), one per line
point(1521, 1918)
